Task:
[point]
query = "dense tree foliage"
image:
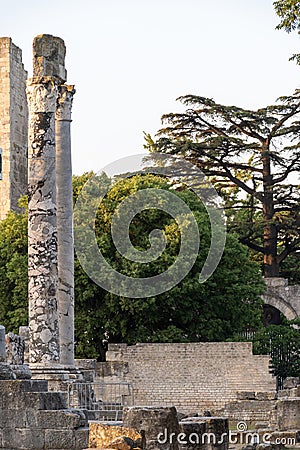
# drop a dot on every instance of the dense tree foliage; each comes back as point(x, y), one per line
point(13, 270)
point(227, 303)
point(224, 305)
point(253, 157)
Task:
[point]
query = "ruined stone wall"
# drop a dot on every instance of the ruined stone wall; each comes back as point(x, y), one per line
point(19, 127)
point(13, 126)
point(194, 377)
point(283, 297)
point(32, 418)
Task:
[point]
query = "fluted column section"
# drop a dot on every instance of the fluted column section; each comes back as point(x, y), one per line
point(42, 225)
point(65, 225)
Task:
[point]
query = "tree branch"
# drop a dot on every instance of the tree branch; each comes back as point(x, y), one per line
point(252, 245)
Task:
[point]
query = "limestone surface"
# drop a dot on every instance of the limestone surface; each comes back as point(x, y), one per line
point(159, 425)
point(13, 127)
point(64, 199)
point(107, 436)
point(42, 223)
point(49, 57)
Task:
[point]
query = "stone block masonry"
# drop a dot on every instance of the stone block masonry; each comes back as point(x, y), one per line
point(32, 418)
point(13, 127)
point(193, 377)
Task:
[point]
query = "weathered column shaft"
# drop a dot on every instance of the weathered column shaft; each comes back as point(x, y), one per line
point(65, 225)
point(42, 226)
point(2, 344)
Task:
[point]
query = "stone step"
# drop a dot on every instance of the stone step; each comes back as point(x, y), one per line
point(15, 386)
point(33, 400)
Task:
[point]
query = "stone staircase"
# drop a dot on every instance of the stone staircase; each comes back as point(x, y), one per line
point(32, 418)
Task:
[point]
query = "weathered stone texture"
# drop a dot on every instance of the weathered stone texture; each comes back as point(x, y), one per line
point(24, 334)
point(13, 126)
point(49, 57)
point(103, 436)
point(249, 410)
point(64, 195)
point(193, 377)
point(150, 422)
point(87, 367)
point(6, 372)
point(283, 297)
point(42, 225)
point(2, 344)
point(288, 414)
point(204, 433)
point(14, 349)
point(31, 418)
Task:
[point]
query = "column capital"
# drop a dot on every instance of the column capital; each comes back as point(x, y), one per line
point(64, 102)
point(42, 94)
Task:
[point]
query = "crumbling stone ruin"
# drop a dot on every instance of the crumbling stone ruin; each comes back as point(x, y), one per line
point(282, 297)
point(201, 386)
point(160, 428)
point(13, 127)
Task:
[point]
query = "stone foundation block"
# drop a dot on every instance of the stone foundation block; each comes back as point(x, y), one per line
point(19, 438)
point(192, 433)
point(245, 395)
point(288, 414)
point(101, 436)
point(291, 382)
point(59, 439)
point(23, 386)
point(263, 396)
point(204, 433)
point(81, 438)
point(33, 400)
point(16, 417)
point(154, 422)
point(56, 419)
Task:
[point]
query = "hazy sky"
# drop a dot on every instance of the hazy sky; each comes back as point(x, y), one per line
point(131, 59)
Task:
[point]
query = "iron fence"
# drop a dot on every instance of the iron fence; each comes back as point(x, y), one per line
point(101, 400)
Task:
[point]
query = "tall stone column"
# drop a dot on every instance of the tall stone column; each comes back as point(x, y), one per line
point(42, 224)
point(65, 225)
point(2, 344)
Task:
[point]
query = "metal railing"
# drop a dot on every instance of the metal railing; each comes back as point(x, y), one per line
point(101, 400)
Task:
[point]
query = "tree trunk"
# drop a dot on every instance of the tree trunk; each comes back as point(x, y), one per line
point(271, 266)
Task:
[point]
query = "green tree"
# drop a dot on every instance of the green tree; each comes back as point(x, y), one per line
point(224, 305)
point(253, 157)
point(289, 14)
point(13, 270)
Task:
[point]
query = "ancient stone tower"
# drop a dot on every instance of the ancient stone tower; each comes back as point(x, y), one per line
point(13, 127)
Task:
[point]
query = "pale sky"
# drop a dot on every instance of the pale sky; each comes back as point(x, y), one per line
point(131, 59)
